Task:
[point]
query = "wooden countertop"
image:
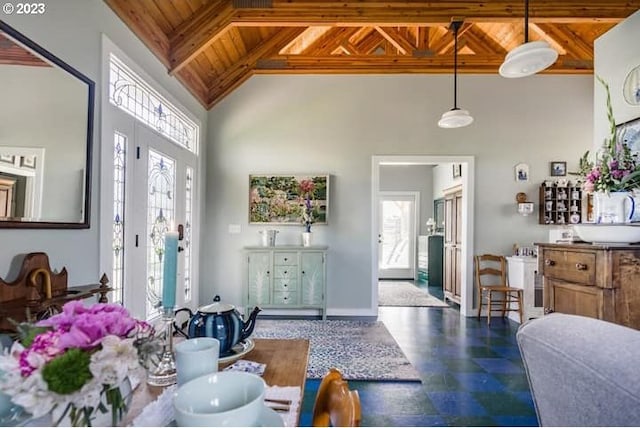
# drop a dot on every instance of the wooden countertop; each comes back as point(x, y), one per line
point(286, 361)
point(588, 245)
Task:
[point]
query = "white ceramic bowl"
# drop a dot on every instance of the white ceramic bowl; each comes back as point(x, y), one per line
point(219, 400)
point(608, 233)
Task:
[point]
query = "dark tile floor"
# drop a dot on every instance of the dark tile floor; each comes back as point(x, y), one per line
point(472, 374)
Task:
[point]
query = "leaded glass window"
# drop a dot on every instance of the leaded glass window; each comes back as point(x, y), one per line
point(119, 179)
point(160, 212)
point(131, 93)
point(188, 219)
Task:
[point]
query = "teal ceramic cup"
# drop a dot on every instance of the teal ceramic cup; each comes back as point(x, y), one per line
point(196, 357)
point(223, 399)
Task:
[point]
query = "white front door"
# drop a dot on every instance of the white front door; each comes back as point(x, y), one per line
point(153, 191)
point(163, 175)
point(397, 235)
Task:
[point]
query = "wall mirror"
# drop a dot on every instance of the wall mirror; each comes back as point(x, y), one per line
point(46, 125)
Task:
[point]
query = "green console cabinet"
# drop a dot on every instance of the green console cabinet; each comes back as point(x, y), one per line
point(287, 277)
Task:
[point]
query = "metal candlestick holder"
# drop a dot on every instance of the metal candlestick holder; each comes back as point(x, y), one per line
point(164, 374)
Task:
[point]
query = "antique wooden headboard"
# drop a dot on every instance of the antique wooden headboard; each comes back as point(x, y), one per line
point(39, 292)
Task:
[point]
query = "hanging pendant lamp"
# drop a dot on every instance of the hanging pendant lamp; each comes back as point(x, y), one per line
point(455, 118)
point(530, 57)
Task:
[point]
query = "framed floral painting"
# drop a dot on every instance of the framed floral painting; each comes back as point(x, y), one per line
point(288, 199)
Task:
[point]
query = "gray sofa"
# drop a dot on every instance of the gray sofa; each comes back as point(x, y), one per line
point(582, 371)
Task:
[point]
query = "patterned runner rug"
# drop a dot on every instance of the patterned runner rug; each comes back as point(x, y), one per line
point(361, 350)
point(403, 293)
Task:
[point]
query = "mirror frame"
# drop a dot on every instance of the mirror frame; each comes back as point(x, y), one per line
point(85, 223)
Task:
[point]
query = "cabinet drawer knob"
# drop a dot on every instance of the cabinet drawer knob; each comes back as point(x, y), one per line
point(581, 266)
point(285, 272)
point(285, 298)
point(549, 262)
point(285, 259)
point(268, 272)
point(303, 272)
point(284, 285)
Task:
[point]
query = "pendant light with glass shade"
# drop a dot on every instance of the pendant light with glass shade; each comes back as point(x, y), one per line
point(455, 118)
point(530, 57)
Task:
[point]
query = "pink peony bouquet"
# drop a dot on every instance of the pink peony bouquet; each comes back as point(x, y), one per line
point(73, 364)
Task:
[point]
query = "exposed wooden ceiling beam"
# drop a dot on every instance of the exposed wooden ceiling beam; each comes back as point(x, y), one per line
point(422, 40)
point(241, 70)
point(135, 16)
point(193, 83)
point(370, 42)
point(393, 36)
point(475, 33)
point(330, 41)
point(359, 36)
point(404, 13)
point(194, 35)
point(572, 43)
point(355, 64)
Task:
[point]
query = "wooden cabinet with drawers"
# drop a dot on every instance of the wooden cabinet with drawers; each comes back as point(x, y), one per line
point(284, 277)
point(598, 281)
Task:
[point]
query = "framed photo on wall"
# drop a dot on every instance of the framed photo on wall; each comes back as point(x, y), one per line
point(522, 172)
point(558, 169)
point(281, 198)
point(457, 170)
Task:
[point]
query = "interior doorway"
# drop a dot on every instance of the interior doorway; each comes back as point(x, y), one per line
point(465, 165)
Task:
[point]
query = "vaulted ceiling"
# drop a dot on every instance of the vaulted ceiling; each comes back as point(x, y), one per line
point(213, 46)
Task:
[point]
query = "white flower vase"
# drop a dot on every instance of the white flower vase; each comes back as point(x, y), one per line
point(98, 418)
point(306, 239)
point(614, 207)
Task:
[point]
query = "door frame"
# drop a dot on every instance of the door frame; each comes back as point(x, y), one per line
point(468, 172)
point(416, 226)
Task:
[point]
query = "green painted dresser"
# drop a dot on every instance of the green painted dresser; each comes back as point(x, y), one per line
point(286, 277)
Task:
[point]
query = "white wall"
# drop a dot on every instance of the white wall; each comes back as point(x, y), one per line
point(411, 178)
point(335, 124)
point(71, 30)
point(616, 53)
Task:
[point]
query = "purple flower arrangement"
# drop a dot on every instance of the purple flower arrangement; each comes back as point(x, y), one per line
point(68, 364)
point(616, 168)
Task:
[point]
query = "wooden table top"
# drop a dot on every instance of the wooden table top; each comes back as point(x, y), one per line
point(286, 361)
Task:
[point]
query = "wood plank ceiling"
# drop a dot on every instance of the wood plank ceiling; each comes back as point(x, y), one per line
point(213, 46)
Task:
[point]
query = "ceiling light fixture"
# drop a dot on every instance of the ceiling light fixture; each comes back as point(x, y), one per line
point(455, 118)
point(530, 57)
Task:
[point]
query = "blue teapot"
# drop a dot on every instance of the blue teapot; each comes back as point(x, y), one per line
point(221, 321)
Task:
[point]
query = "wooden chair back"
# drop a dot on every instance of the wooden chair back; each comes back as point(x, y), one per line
point(335, 404)
point(491, 270)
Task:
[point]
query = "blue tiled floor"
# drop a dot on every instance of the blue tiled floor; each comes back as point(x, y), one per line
point(472, 374)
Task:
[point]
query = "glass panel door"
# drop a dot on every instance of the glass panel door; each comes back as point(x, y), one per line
point(162, 196)
point(396, 236)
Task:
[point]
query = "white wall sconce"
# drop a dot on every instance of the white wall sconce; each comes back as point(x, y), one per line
point(524, 208)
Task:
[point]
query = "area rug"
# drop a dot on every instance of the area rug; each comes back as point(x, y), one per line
point(402, 293)
point(361, 350)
